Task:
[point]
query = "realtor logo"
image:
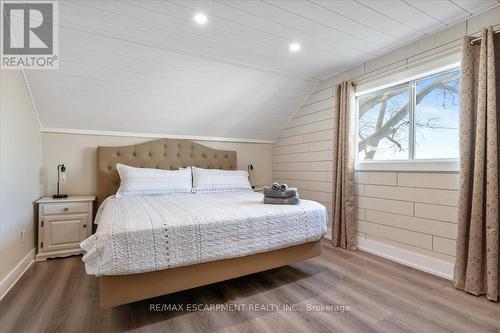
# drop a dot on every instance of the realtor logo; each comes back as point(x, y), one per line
point(29, 37)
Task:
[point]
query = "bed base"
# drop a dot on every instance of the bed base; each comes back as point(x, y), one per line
point(122, 289)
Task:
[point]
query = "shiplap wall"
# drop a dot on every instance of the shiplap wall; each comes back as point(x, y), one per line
point(414, 212)
point(302, 155)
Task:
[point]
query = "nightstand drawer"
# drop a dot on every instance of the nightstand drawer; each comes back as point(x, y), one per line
point(65, 208)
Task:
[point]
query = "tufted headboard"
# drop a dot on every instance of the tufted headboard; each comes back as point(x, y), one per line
point(168, 154)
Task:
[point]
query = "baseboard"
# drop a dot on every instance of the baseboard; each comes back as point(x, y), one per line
point(418, 261)
point(15, 274)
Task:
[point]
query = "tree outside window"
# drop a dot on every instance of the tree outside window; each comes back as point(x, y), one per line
point(415, 120)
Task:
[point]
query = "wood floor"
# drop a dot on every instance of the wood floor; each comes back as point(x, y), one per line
point(383, 296)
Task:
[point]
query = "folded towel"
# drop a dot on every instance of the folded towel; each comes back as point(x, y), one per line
point(275, 186)
point(283, 187)
point(270, 192)
point(282, 201)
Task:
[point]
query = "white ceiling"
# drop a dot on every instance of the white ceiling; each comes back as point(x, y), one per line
point(145, 67)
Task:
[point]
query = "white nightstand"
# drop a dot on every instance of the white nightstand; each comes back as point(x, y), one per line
point(62, 225)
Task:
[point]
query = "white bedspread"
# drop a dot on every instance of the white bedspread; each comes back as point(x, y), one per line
point(148, 233)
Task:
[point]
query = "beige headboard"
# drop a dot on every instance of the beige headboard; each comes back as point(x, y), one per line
point(168, 154)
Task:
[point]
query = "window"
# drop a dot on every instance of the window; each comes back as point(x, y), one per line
point(416, 120)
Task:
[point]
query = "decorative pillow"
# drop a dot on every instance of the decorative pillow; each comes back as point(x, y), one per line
point(139, 181)
point(216, 180)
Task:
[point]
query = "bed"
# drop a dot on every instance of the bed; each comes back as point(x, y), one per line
point(147, 246)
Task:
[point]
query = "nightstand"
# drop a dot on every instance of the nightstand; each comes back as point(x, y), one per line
point(62, 225)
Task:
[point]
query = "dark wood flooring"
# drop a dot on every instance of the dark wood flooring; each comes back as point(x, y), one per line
point(383, 296)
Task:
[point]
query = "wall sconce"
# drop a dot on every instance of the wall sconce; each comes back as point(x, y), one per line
point(61, 177)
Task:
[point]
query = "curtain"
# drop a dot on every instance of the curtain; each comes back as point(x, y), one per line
point(343, 224)
point(477, 260)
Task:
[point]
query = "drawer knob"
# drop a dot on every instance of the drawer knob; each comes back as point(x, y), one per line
point(65, 209)
point(85, 226)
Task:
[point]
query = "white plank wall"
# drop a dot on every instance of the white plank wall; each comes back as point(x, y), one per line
point(413, 211)
point(302, 155)
point(399, 209)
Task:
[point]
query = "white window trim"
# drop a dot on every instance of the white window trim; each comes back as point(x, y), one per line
point(408, 165)
point(409, 73)
point(440, 165)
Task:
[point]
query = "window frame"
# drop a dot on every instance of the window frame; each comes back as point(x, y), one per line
point(409, 164)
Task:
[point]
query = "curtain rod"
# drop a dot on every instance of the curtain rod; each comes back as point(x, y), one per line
point(478, 39)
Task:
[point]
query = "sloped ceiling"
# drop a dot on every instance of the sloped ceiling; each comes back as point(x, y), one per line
point(146, 67)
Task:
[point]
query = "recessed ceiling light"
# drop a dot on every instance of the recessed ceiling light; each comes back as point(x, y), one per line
point(294, 47)
point(200, 18)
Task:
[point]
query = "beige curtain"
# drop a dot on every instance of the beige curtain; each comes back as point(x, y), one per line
point(476, 267)
point(343, 224)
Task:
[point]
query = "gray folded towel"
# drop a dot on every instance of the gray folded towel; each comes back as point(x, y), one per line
point(275, 186)
point(270, 192)
point(282, 201)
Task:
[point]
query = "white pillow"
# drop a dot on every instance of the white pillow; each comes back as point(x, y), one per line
point(216, 180)
point(139, 181)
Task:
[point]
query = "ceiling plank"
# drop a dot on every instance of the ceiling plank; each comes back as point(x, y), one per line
point(402, 12)
point(476, 6)
point(369, 17)
point(442, 10)
point(358, 32)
